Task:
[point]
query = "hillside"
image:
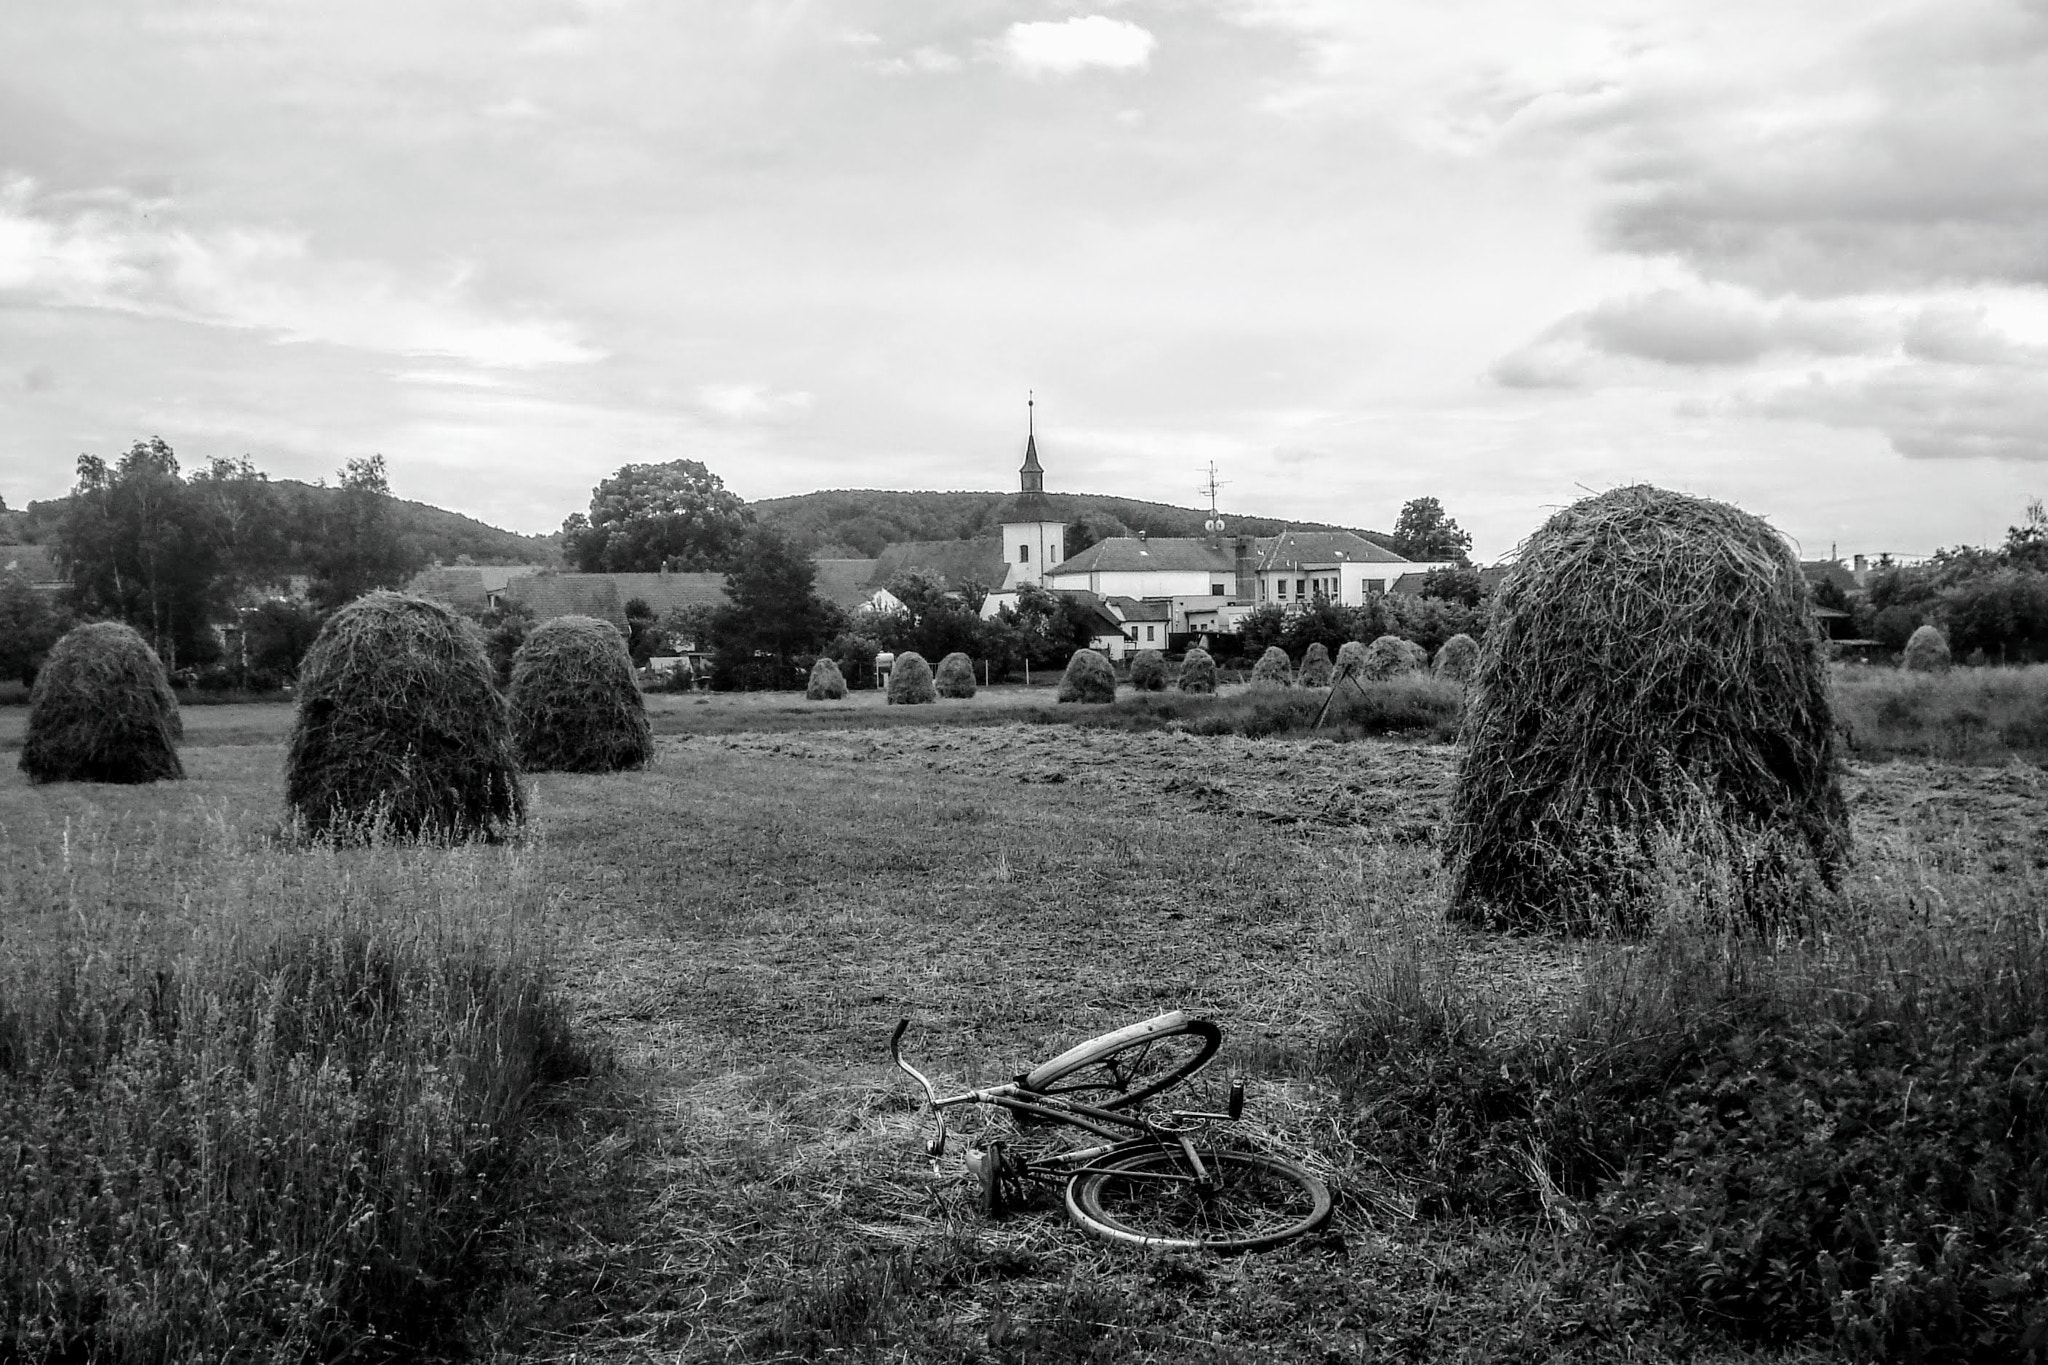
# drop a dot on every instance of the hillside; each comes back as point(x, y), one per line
point(858, 522)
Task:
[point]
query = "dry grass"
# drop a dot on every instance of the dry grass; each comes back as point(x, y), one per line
point(1089, 678)
point(102, 711)
point(576, 706)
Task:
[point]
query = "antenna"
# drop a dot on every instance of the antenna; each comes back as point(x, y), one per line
point(1214, 525)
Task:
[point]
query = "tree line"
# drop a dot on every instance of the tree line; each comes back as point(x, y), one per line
point(1991, 602)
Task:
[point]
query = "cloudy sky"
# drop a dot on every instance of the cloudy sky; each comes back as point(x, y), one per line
point(1790, 255)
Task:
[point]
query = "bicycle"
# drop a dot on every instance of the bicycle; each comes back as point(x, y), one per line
point(1151, 1184)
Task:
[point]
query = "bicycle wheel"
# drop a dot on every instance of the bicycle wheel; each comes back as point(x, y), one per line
point(1149, 1198)
point(1131, 1065)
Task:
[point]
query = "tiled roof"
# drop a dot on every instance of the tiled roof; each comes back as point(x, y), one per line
point(1136, 610)
point(1157, 554)
point(845, 582)
point(1818, 571)
point(32, 562)
point(956, 563)
point(604, 595)
point(1101, 617)
point(468, 586)
point(1292, 549)
point(1410, 584)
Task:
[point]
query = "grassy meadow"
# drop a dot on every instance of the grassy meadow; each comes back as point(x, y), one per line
point(619, 1092)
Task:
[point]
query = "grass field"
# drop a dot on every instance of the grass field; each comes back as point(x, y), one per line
point(735, 930)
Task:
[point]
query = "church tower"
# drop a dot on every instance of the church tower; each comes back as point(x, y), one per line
point(1034, 537)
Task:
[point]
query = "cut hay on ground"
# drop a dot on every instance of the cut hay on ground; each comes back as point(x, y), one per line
point(1089, 678)
point(1926, 652)
point(1148, 670)
point(910, 681)
point(1315, 667)
point(1652, 688)
point(1390, 656)
point(576, 706)
point(955, 677)
point(1198, 671)
point(1274, 669)
point(827, 682)
point(1456, 658)
point(400, 730)
point(102, 711)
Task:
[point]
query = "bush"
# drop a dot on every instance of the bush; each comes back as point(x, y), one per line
point(1926, 652)
point(101, 710)
point(1315, 666)
point(1148, 670)
point(910, 681)
point(955, 677)
point(1088, 678)
point(1456, 659)
point(827, 682)
point(576, 706)
point(1653, 673)
point(1273, 669)
point(401, 729)
point(1390, 657)
point(1198, 671)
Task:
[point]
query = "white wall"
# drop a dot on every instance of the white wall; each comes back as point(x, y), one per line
point(1143, 583)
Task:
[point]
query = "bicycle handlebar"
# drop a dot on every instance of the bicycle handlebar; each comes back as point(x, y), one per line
point(936, 1143)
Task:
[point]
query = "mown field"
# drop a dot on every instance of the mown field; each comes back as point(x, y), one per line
point(737, 1174)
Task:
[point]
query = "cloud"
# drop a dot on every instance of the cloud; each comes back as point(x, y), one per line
point(1929, 411)
point(1962, 336)
point(38, 379)
point(752, 402)
point(129, 255)
point(1073, 45)
point(1546, 363)
point(1682, 329)
point(926, 60)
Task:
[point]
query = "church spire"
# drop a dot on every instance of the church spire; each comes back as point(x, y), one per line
point(1031, 477)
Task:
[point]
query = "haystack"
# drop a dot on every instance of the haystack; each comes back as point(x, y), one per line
point(955, 677)
point(1198, 671)
point(1652, 689)
point(400, 730)
point(910, 680)
point(1390, 656)
point(576, 707)
point(1274, 669)
point(1456, 658)
point(1148, 670)
point(1351, 661)
point(1926, 652)
point(1088, 678)
point(1315, 666)
point(102, 711)
point(827, 682)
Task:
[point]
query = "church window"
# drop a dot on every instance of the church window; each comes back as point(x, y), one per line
point(1023, 554)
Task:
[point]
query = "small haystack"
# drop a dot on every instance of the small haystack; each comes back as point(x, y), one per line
point(1652, 690)
point(910, 681)
point(1351, 661)
point(1926, 652)
point(1390, 656)
point(1456, 658)
point(827, 682)
point(576, 706)
point(1148, 670)
point(400, 729)
point(1315, 667)
point(1274, 669)
point(102, 711)
point(955, 677)
point(1198, 671)
point(1088, 678)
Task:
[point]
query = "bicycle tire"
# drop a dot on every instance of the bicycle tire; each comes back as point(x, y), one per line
point(1131, 1065)
point(1259, 1202)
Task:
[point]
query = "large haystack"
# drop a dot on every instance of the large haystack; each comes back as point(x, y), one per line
point(1315, 666)
point(1088, 678)
point(102, 711)
point(955, 677)
point(1652, 688)
point(1390, 656)
point(827, 682)
point(1274, 669)
point(400, 729)
point(1456, 658)
point(576, 706)
point(1351, 661)
point(1198, 671)
point(1148, 671)
point(910, 680)
point(1926, 652)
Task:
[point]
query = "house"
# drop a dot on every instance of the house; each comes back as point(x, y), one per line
point(34, 564)
point(1296, 567)
point(1147, 623)
point(605, 595)
point(469, 587)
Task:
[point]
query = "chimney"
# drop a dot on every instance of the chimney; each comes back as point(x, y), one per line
point(1247, 569)
point(1862, 565)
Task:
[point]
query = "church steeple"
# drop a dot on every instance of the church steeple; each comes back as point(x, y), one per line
point(1031, 478)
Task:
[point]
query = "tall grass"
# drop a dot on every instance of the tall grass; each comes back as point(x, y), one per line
point(1416, 706)
point(259, 1103)
point(1970, 715)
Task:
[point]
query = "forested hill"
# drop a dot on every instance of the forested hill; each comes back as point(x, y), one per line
point(858, 522)
point(434, 533)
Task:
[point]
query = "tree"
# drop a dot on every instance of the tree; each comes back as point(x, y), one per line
point(354, 544)
point(644, 639)
point(652, 516)
point(1459, 583)
point(1049, 626)
point(276, 635)
point(1262, 627)
point(29, 625)
point(774, 614)
point(246, 521)
point(1425, 532)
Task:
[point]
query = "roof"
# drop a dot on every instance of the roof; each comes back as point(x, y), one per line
point(33, 562)
point(1410, 584)
point(1101, 620)
point(1820, 571)
point(1293, 549)
point(471, 586)
point(1028, 506)
point(955, 563)
point(1136, 610)
point(605, 595)
point(1158, 554)
point(844, 582)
